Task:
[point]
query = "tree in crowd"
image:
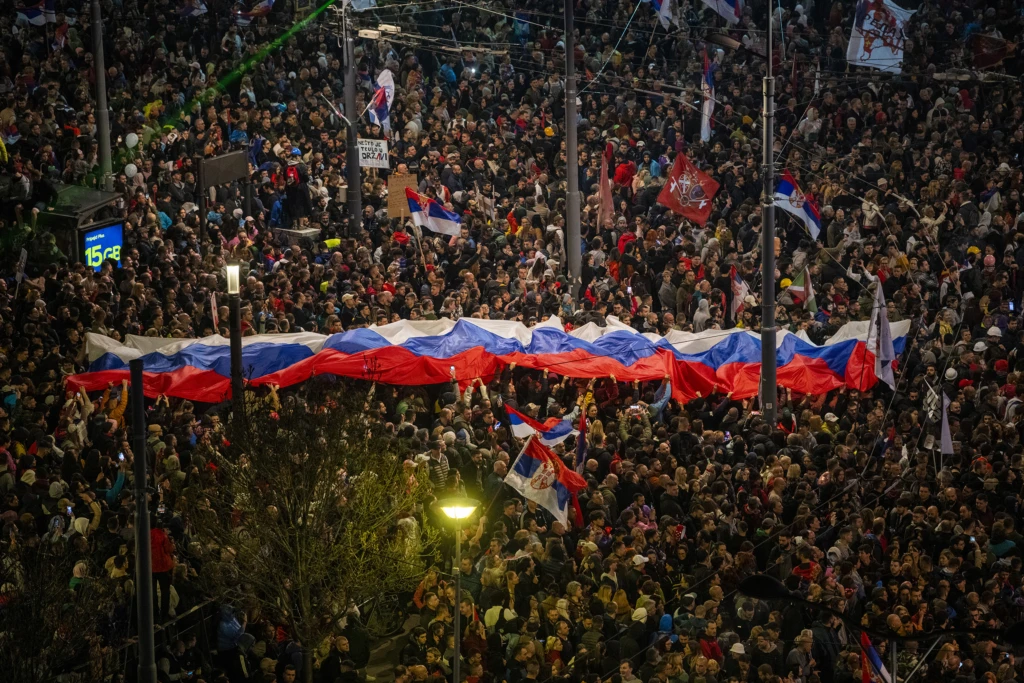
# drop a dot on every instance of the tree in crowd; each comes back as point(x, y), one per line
point(48, 625)
point(307, 508)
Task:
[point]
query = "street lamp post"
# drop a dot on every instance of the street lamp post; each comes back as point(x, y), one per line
point(235, 312)
point(769, 390)
point(458, 510)
point(573, 246)
point(143, 551)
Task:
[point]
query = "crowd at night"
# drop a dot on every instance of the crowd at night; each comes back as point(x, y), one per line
point(851, 499)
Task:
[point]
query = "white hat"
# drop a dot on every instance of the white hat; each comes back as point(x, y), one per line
point(951, 374)
point(980, 347)
point(639, 560)
point(737, 648)
point(994, 332)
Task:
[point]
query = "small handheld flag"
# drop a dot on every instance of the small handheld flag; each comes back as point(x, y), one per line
point(790, 199)
point(428, 213)
point(581, 444)
point(552, 432)
point(540, 476)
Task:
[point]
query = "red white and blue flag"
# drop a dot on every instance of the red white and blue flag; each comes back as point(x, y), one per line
point(39, 14)
point(664, 10)
point(804, 208)
point(707, 88)
point(422, 352)
point(260, 9)
point(581, 444)
point(730, 10)
point(551, 432)
point(60, 37)
point(869, 660)
point(383, 96)
point(541, 476)
point(428, 213)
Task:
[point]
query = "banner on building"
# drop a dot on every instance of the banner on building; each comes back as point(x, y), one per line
point(879, 35)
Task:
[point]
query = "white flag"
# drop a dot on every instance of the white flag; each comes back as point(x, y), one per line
point(878, 37)
point(945, 441)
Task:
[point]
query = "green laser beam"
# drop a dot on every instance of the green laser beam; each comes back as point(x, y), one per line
point(241, 69)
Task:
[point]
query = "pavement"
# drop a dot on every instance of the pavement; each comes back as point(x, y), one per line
point(384, 652)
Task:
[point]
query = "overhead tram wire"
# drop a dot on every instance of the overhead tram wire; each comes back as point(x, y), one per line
point(612, 92)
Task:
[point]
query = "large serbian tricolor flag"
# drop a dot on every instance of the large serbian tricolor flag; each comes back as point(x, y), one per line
point(423, 352)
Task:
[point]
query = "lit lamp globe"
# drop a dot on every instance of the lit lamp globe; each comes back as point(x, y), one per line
point(233, 278)
point(458, 508)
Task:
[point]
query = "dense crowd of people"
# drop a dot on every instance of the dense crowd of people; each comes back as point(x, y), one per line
point(918, 178)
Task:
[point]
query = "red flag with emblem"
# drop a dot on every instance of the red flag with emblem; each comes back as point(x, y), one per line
point(689, 191)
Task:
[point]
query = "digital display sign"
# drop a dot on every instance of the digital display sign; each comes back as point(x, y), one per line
point(101, 244)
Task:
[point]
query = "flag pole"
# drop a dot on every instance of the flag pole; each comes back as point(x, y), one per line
point(573, 245)
point(769, 386)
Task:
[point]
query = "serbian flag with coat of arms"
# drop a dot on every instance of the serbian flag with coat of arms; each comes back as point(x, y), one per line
point(689, 191)
point(383, 96)
point(790, 199)
point(540, 475)
point(869, 660)
point(428, 213)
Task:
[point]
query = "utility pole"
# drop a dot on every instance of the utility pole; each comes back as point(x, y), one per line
point(769, 389)
point(143, 551)
point(355, 198)
point(572, 198)
point(234, 288)
point(102, 111)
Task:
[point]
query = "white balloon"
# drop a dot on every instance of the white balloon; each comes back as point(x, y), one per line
point(131, 170)
point(131, 140)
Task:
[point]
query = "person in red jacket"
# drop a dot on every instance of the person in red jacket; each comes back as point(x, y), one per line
point(163, 564)
point(709, 643)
